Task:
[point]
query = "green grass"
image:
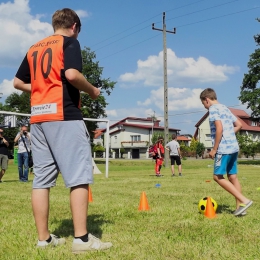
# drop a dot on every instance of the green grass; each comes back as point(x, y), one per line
point(172, 228)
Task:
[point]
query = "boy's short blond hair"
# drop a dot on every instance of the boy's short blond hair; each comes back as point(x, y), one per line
point(64, 19)
point(208, 93)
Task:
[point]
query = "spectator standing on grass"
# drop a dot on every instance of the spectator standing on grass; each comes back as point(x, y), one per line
point(223, 127)
point(52, 72)
point(175, 154)
point(4, 143)
point(159, 157)
point(23, 138)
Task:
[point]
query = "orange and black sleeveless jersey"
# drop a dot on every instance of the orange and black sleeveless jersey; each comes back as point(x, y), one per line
point(53, 98)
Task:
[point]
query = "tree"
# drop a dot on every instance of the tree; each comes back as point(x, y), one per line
point(122, 151)
point(93, 72)
point(156, 135)
point(200, 149)
point(250, 92)
point(193, 144)
point(20, 104)
point(247, 146)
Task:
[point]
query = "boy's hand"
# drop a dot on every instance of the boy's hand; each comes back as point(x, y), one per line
point(212, 154)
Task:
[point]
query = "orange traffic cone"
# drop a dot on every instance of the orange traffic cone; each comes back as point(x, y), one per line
point(209, 212)
point(143, 202)
point(90, 199)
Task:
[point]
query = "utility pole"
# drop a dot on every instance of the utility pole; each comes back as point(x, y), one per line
point(153, 118)
point(166, 125)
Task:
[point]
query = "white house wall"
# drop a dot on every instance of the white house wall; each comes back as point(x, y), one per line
point(204, 134)
point(125, 136)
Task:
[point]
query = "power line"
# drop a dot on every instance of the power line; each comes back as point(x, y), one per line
point(148, 20)
point(157, 22)
point(208, 8)
point(209, 19)
point(213, 18)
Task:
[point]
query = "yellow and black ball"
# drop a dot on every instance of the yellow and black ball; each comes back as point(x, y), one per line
point(203, 203)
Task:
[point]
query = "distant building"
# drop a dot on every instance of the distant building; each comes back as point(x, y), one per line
point(134, 135)
point(186, 139)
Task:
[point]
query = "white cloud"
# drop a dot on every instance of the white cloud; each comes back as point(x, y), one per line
point(180, 71)
point(111, 113)
point(6, 88)
point(178, 99)
point(82, 13)
point(19, 30)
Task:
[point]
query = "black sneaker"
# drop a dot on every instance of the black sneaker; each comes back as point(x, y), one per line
point(180, 175)
point(173, 175)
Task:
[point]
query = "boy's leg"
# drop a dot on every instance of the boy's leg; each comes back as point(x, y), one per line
point(2, 174)
point(157, 171)
point(40, 205)
point(172, 169)
point(180, 168)
point(228, 186)
point(79, 209)
point(234, 180)
point(20, 165)
point(26, 167)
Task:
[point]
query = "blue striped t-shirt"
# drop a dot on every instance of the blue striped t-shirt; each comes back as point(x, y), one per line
point(228, 143)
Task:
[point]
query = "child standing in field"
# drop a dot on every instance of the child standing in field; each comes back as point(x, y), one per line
point(223, 126)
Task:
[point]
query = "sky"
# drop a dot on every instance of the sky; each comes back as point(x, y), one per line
point(211, 48)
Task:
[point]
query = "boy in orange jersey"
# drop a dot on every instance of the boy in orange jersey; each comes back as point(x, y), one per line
point(51, 72)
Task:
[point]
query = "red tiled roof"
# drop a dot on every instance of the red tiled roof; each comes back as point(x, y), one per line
point(239, 113)
point(122, 122)
point(133, 118)
point(182, 138)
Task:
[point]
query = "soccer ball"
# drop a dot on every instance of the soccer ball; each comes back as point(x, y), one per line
point(203, 203)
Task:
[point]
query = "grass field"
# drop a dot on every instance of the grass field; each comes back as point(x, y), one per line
point(172, 228)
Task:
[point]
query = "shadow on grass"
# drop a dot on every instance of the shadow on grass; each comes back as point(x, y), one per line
point(95, 222)
point(100, 162)
point(224, 208)
point(7, 181)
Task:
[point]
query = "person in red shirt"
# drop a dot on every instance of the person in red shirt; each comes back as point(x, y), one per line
point(52, 72)
point(160, 156)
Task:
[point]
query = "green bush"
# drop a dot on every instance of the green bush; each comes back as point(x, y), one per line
point(248, 162)
point(98, 148)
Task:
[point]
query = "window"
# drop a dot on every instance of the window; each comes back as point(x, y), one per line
point(208, 137)
point(253, 123)
point(115, 139)
point(135, 138)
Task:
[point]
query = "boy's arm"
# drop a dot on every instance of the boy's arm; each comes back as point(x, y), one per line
point(19, 84)
point(237, 126)
point(179, 151)
point(80, 82)
point(218, 136)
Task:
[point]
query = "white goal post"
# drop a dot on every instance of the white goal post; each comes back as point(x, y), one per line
point(85, 119)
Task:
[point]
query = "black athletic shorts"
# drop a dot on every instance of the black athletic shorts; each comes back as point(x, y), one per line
point(175, 158)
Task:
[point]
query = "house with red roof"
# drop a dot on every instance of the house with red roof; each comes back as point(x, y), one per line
point(186, 139)
point(249, 127)
point(134, 135)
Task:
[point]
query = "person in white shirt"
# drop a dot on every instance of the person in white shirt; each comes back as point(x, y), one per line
point(175, 154)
